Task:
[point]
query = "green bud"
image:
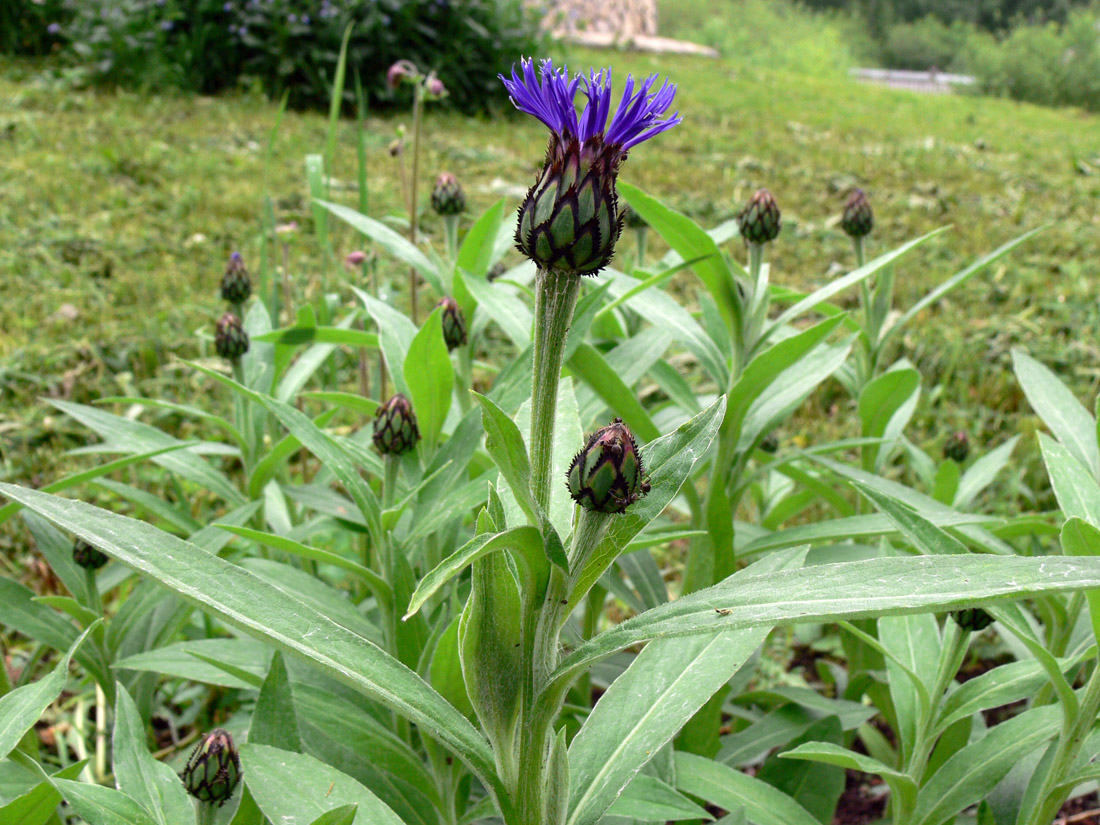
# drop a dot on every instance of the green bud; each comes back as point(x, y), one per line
point(395, 430)
point(213, 769)
point(87, 556)
point(957, 446)
point(447, 196)
point(236, 283)
point(760, 218)
point(570, 222)
point(454, 323)
point(632, 219)
point(858, 220)
point(973, 619)
point(230, 339)
point(607, 476)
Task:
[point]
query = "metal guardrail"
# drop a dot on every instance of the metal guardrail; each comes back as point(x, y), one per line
point(930, 81)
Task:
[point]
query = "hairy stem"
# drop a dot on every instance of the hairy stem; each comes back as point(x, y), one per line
point(555, 299)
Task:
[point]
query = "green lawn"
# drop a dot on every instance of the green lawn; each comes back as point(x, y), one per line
point(117, 212)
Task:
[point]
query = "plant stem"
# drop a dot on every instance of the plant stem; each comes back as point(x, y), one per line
point(465, 374)
point(450, 236)
point(100, 733)
point(414, 223)
point(1050, 799)
point(555, 299)
point(205, 813)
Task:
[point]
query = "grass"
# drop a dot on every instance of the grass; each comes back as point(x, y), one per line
point(117, 212)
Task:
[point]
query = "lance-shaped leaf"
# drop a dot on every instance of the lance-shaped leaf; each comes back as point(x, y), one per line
point(849, 590)
point(263, 610)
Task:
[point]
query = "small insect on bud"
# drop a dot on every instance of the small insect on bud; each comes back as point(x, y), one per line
point(454, 323)
point(230, 339)
point(395, 430)
point(236, 283)
point(607, 476)
point(213, 769)
point(760, 218)
point(858, 220)
point(957, 446)
point(87, 556)
point(447, 196)
point(973, 619)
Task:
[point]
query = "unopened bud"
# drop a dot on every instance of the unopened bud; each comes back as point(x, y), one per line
point(87, 556)
point(395, 430)
point(236, 283)
point(399, 72)
point(973, 619)
point(213, 769)
point(454, 323)
point(435, 89)
point(858, 220)
point(607, 476)
point(760, 218)
point(447, 195)
point(230, 339)
point(957, 446)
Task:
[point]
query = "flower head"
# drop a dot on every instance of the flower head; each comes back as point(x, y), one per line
point(355, 258)
point(230, 338)
point(447, 195)
point(858, 220)
point(570, 219)
point(395, 430)
point(454, 323)
point(236, 283)
point(88, 556)
point(760, 219)
point(213, 769)
point(607, 476)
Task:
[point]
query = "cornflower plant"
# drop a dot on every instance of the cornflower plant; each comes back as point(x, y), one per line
point(455, 684)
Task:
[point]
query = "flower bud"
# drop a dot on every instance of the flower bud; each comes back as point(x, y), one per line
point(858, 220)
point(434, 88)
point(87, 556)
point(632, 219)
point(395, 430)
point(454, 323)
point(607, 476)
point(230, 339)
point(397, 147)
point(236, 284)
point(973, 619)
point(399, 72)
point(760, 218)
point(213, 769)
point(354, 259)
point(770, 444)
point(447, 196)
point(957, 446)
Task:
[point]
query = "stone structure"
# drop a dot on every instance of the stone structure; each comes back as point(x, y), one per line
point(617, 20)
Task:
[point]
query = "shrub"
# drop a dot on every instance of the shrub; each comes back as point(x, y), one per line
point(926, 43)
point(293, 45)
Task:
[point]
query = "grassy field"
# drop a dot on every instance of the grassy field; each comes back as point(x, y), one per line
point(117, 212)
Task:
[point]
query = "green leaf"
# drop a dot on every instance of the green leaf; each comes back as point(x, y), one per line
point(830, 592)
point(39, 805)
point(526, 540)
point(668, 461)
point(836, 755)
point(730, 789)
point(132, 437)
point(100, 805)
point(179, 660)
point(395, 334)
point(589, 364)
point(1060, 410)
point(914, 641)
point(274, 721)
point(925, 536)
point(817, 787)
point(508, 450)
point(1075, 488)
point(21, 708)
point(293, 336)
point(690, 241)
point(262, 610)
point(475, 255)
point(152, 784)
point(298, 788)
point(430, 378)
point(1081, 538)
point(349, 401)
point(648, 799)
point(886, 404)
point(954, 282)
point(982, 473)
point(510, 313)
point(338, 816)
point(389, 240)
point(650, 702)
point(971, 773)
point(826, 292)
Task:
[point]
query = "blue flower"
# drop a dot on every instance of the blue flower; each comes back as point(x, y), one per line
point(292, 18)
point(166, 25)
point(227, 7)
point(570, 221)
point(53, 28)
point(550, 99)
point(305, 19)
